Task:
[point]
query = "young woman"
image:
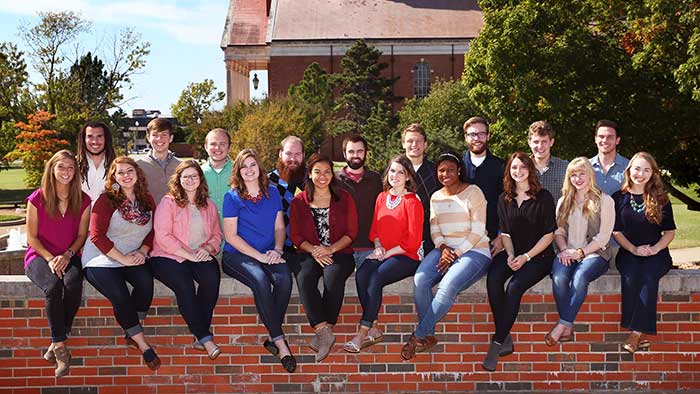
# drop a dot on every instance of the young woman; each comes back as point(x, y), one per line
point(121, 235)
point(57, 224)
point(526, 217)
point(323, 225)
point(461, 255)
point(397, 232)
point(585, 219)
point(644, 227)
point(255, 233)
point(187, 235)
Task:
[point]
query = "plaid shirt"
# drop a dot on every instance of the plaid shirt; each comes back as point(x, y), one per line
point(287, 192)
point(552, 178)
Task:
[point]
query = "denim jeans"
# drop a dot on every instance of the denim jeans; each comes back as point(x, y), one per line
point(128, 307)
point(570, 284)
point(62, 295)
point(271, 285)
point(360, 257)
point(505, 299)
point(322, 308)
point(464, 272)
point(196, 305)
point(371, 278)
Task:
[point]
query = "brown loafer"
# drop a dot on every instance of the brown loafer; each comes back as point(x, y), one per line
point(409, 349)
point(426, 344)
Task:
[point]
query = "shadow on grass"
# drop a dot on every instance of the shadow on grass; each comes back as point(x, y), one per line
point(11, 197)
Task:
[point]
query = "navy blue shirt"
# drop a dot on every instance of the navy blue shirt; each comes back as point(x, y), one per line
point(256, 221)
point(489, 177)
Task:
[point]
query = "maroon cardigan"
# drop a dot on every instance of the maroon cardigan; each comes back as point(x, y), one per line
point(342, 218)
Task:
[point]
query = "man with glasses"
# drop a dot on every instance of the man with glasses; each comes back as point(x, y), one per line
point(486, 171)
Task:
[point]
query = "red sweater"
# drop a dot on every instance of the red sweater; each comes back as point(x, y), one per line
point(342, 218)
point(402, 226)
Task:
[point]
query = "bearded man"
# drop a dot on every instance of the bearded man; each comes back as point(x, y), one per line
point(289, 175)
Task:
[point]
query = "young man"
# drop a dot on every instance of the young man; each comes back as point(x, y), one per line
point(288, 177)
point(364, 185)
point(609, 166)
point(217, 169)
point(551, 170)
point(95, 155)
point(414, 141)
point(486, 171)
point(160, 164)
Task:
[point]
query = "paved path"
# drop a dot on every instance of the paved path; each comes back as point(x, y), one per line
point(688, 255)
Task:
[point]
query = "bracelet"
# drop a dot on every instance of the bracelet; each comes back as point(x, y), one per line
point(581, 252)
point(279, 251)
point(527, 257)
point(70, 251)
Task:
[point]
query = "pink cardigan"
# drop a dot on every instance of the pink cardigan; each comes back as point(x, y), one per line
point(172, 228)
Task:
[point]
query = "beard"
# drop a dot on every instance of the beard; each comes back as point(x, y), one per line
point(355, 165)
point(477, 150)
point(291, 175)
point(94, 153)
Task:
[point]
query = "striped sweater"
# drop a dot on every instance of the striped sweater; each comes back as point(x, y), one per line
point(459, 221)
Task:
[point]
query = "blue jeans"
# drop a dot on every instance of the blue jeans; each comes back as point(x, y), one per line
point(129, 307)
point(361, 256)
point(570, 284)
point(271, 285)
point(464, 272)
point(371, 278)
point(196, 305)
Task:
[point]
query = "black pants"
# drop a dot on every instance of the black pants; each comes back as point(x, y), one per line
point(505, 300)
point(196, 305)
point(63, 295)
point(322, 308)
point(128, 307)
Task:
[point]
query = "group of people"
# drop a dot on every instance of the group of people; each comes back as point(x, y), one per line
point(115, 221)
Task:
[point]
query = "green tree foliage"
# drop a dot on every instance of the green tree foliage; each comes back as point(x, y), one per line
point(442, 114)
point(229, 118)
point(315, 89)
point(574, 62)
point(196, 99)
point(35, 145)
point(383, 138)
point(15, 99)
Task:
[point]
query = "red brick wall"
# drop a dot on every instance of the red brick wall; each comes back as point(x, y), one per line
point(595, 361)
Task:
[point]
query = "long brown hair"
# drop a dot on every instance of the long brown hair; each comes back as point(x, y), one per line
point(117, 196)
point(310, 188)
point(48, 186)
point(236, 180)
point(411, 184)
point(83, 160)
point(568, 191)
point(655, 195)
point(177, 192)
point(533, 180)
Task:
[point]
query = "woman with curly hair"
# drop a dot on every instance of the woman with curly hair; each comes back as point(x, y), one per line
point(255, 233)
point(121, 235)
point(585, 219)
point(526, 217)
point(644, 227)
point(58, 214)
point(187, 236)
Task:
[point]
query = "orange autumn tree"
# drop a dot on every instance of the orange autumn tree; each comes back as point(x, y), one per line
point(36, 145)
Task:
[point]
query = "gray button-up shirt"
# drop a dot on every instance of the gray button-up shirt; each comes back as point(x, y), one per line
point(611, 181)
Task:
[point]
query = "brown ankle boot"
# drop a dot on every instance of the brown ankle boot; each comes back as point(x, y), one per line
point(62, 361)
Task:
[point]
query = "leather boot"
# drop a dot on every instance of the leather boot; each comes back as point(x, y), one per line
point(62, 361)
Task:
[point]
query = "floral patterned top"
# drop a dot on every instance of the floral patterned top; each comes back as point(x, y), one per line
point(323, 227)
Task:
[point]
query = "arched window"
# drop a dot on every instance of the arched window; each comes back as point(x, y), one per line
point(421, 78)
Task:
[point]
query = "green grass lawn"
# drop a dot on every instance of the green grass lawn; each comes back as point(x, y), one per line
point(12, 186)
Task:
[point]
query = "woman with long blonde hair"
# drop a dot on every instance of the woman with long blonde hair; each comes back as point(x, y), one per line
point(585, 219)
point(58, 214)
point(644, 227)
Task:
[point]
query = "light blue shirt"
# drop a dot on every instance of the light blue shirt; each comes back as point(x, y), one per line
point(611, 181)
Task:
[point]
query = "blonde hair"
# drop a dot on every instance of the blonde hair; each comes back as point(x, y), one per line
point(655, 195)
point(48, 186)
point(568, 192)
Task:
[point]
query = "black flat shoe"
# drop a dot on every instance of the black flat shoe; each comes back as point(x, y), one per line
point(271, 347)
point(289, 363)
point(151, 359)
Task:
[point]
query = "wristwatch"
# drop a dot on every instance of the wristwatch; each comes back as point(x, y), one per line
point(70, 251)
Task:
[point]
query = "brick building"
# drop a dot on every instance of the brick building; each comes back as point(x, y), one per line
point(421, 40)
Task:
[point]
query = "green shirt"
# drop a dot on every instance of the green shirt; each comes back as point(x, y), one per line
point(218, 184)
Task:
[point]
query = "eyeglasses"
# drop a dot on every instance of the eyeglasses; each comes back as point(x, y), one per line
point(479, 135)
point(189, 177)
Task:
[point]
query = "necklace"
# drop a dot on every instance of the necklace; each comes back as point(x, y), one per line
point(636, 207)
point(254, 199)
point(392, 204)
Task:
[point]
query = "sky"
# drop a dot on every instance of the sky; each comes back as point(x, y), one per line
point(185, 39)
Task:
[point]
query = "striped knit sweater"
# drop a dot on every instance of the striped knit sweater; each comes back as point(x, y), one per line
point(459, 221)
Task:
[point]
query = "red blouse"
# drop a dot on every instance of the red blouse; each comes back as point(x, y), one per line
point(402, 226)
point(342, 218)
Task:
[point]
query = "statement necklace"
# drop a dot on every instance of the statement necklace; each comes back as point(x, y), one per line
point(254, 199)
point(392, 204)
point(637, 207)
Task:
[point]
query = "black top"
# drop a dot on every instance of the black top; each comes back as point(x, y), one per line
point(489, 177)
point(529, 222)
point(364, 192)
point(427, 184)
point(634, 225)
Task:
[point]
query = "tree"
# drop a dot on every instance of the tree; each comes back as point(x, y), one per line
point(36, 145)
point(46, 41)
point(382, 137)
point(196, 99)
point(574, 62)
point(315, 89)
point(15, 98)
point(361, 84)
point(442, 114)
